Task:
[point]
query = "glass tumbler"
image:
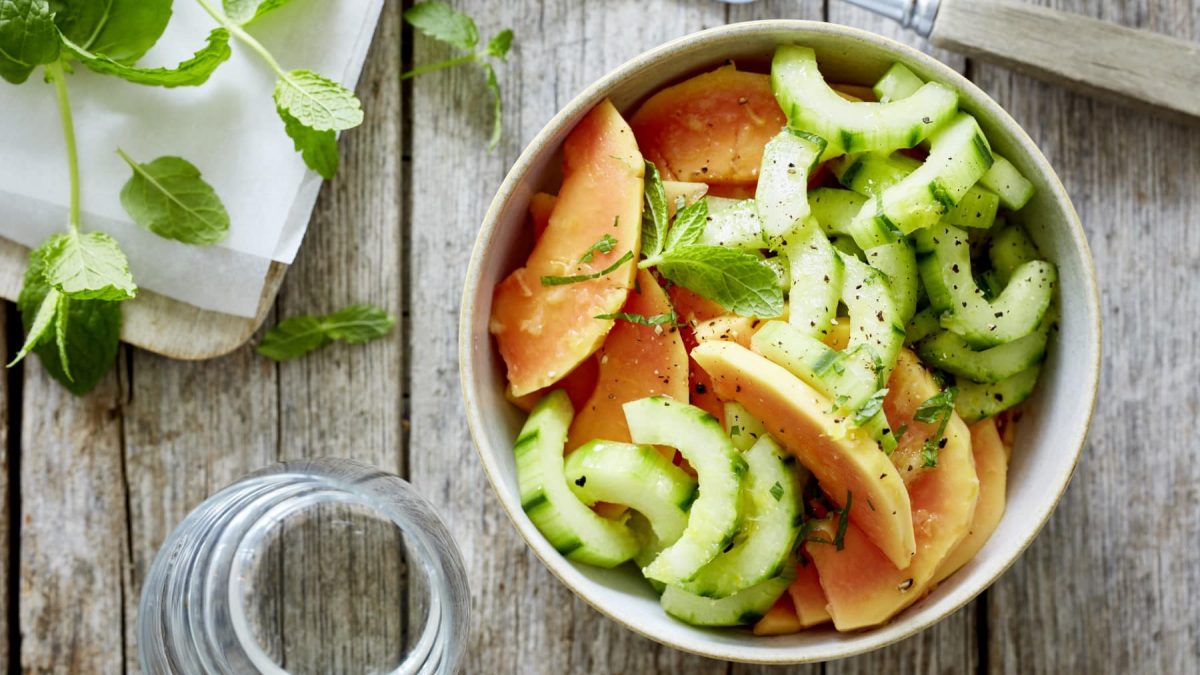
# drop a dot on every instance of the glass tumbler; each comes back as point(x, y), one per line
point(325, 565)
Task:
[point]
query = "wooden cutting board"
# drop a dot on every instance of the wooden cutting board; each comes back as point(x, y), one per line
point(159, 324)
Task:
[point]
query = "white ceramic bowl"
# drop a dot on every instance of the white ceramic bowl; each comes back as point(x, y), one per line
point(1050, 436)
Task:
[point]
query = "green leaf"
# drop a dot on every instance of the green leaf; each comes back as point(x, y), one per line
point(499, 45)
point(560, 281)
point(296, 336)
point(441, 22)
point(88, 266)
point(839, 537)
point(122, 30)
point(654, 214)
point(604, 244)
point(168, 197)
point(493, 87)
point(87, 332)
point(318, 102)
point(688, 226)
point(870, 407)
point(777, 491)
point(318, 148)
point(665, 319)
point(937, 409)
point(39, 328)
point(28, 38)
point(737, 280)
point(247, 11)
point(190, 73)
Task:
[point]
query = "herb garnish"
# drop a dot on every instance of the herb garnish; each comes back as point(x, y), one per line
point(777, 491)
point(298, 335)
point(665, 319)
point(839, 538)
point(870, 408)
point(737, 280)
point(559, 281)
point(437, 20)
point(936, 410)
point(603, 245)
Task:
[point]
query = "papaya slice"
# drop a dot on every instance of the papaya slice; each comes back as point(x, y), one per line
point(991, 465)
point(730, 328)
point(692, 307)
point(676, 189)
point(636, 361)
point(847, 463)
point(781, 619)
point(579, 385)
point(545, 330)
point(711, 128)
point(700, 389)
point(863, 586)
point(541, 205)
point(808, 598)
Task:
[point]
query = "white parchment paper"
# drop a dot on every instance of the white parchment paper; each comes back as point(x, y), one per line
point(228, 128)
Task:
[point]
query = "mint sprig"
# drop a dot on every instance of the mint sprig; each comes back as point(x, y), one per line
point(438, 21)
point(298, 335)
point(935, 410)
point(737, 280)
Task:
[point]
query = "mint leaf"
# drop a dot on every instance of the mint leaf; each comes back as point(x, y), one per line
point(318, 148)
point(666, 319)
point(28, 38)
point(246, 11)
point(441, 22)
point(870, 408)
point(192, 72)
point(839, 537)
point(735, 279)
point(560, 281)
point(168, 197)
point(654, 213)
point(688, 226)
point(88, 266)
point(604, 244)
point(493, 87)
point(122, 30)
point(87, 332)
point(296, 336)
point(937, 409)
point(39, 328)
point(777, 491)
point(499, 45)
point(318, 102)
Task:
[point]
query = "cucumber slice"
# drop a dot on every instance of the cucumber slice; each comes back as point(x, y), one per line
point(977, 209)
point(958, 155)
point(978, 401)
point(1010, 248)
point(782, 192)
point(1006, 180)
point(925, 323)
point(871, 173)
point(946, 273)
point(874, 321)
point(637, 476)
point(782, 269)
point(740, 609)
point(816, 271)
point(897, 83)
point(713, 518)
point(567, 523)
point(845, 244)
point(732, 223)
point(835, 209)
point(952, 354)
point(744, 429)
point(849, 126)
point(761, 549)
point(898, 262)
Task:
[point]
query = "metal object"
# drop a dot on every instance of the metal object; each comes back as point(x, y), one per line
point(917, 15)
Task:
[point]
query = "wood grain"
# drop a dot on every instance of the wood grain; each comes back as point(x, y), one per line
point(1139, 68)
point(1110, 584)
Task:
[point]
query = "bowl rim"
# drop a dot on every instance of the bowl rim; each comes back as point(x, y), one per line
point(599, 90)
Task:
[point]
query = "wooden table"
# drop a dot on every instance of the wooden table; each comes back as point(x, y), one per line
point(93, 485)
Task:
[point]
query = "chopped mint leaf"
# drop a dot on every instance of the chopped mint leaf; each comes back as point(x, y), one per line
point(839, 538)
point(870, 408)
point(559, 281)
point(298, 335)
point(666, 319)
point(603, 245)
point(936, 410)
point(777, 491)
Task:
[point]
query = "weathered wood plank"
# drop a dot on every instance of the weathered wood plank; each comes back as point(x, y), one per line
point(523, 619)
point(7, 465)
point(342, 584)
point(1110, 585)
point(73, 539)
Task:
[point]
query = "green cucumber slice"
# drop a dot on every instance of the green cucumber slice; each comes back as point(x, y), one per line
point(958, 155)
point(713, 519)
point(740, 609)
point(897, 83)
point(637, 476)
point(1010, 248)
point(977, 209)
point(871, 173)
point(732, 223)
point(744, 429)
point(761, 548)
point(782, 192)
point(1006, 180)
point(898, 262)
point(946, 273)
point(835, 209)
point(849, 126)
point(816, 275)
point(923, 324)
point(567, 523)
point(979, 401)
point(952, 354)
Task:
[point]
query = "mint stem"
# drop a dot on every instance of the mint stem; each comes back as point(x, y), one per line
point(439, 65)
point(243, 37)
point(56, 74)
